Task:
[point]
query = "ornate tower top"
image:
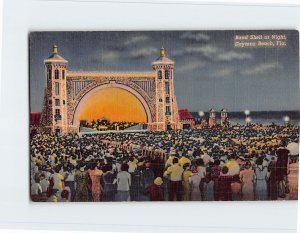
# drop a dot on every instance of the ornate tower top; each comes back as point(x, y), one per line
point(162, 59)
point(55, 57)
point(162, 52)
point(55, 49)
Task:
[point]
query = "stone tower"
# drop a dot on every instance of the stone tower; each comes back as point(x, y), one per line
point(212, 117)
point(223, 117)
point(54, 117)
point(167, 117)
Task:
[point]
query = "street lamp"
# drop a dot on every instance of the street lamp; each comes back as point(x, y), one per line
point(201, 114)
point(247, 112)
point(248, 120)
point(286, 119)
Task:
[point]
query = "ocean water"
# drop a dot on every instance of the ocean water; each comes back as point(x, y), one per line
point(263, 117)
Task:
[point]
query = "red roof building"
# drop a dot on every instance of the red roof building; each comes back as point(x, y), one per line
point(184, 115)
point(186, 119)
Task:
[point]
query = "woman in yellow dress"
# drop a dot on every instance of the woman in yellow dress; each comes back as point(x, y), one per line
point(186, 184)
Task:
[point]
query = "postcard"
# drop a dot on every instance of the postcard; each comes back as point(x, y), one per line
point(164, 115)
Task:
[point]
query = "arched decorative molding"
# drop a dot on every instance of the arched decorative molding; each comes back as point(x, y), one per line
point(84, 97)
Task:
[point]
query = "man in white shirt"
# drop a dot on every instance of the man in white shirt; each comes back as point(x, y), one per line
point(44, 183)
point(70, 181)
point(36, 190)
point(124, 182)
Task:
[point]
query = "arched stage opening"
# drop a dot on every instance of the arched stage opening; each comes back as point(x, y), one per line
point(113, 101)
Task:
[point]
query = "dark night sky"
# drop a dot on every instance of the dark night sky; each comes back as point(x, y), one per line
point(209, 70)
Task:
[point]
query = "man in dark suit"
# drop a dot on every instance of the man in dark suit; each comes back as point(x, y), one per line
point(282, 169)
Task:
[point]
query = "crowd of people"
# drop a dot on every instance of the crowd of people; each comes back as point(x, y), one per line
point(104, 125)
point(237, 162)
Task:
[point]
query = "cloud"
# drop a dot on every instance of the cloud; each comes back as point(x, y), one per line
point(224, 72)
point(197, 65)
point(195, 36)
point(232, 55)
point(105, 56)
point(111, 55)
point(214, 53)
point(136, 39)
point(263, 69)
point(143, 52)
point(207, 50)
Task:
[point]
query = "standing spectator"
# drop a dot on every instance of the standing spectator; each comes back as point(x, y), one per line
point(201, 168)
point(118, 165)
point(282, 169)
point(69, 180)
point(175, 176)
point(95, 175)
point(195, 180)
point(207, 185)
point(36, 190)
point(57, 179)
point(109, 189)
point(261, 191)
point(44, 184)
point(157, 165)
point(225, 185)
point(81, 183)
point(135, 185)
point(272, 181)
point(236, 188)
point(215, 173)
point(124, 183)
point(155, 191)
point(247, 177)
point(132, 165)
point(147, 176)
point(186, 184)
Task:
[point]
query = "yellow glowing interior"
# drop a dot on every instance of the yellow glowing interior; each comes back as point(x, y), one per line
point(116, 104)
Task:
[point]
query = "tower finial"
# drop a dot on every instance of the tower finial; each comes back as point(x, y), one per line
point(55, 49)
point(162, 52)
